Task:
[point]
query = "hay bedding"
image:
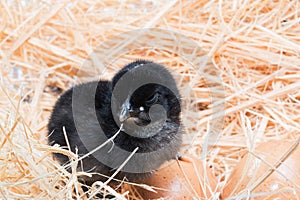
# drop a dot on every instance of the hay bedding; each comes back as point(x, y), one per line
point(254, 46)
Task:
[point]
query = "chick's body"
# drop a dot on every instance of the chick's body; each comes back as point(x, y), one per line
point(92, 112)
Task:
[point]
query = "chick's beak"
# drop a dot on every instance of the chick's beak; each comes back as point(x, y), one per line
point(125, 112)
point(124, 115)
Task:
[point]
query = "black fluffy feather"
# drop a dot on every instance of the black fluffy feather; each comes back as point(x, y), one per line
point(168, 138)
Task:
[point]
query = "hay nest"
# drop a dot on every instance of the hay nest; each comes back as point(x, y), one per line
point(250, 81)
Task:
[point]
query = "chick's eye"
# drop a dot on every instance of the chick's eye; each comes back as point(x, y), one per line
point(141, 108)
point(152, 100)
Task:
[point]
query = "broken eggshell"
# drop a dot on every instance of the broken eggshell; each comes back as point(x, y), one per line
point(272, 171)
point(180, 179)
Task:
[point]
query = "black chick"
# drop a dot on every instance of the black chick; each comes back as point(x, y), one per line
point(144, 98)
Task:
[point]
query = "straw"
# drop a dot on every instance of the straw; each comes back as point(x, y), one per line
point(249, 86)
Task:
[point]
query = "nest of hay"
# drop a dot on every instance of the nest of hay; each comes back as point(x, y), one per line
point(46, 47)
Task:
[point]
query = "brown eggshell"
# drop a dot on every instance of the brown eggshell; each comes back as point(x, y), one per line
point(283, 183)
point(180, 180)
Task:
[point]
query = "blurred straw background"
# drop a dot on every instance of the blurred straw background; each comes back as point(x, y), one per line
point(254, 48)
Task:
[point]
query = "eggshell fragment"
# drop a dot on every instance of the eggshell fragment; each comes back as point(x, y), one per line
point(182, 179)
point(271, 172)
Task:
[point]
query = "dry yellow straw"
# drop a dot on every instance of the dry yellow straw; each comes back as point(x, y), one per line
point(253, 47)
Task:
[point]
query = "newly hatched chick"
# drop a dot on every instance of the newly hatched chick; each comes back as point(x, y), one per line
point(144, 98)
